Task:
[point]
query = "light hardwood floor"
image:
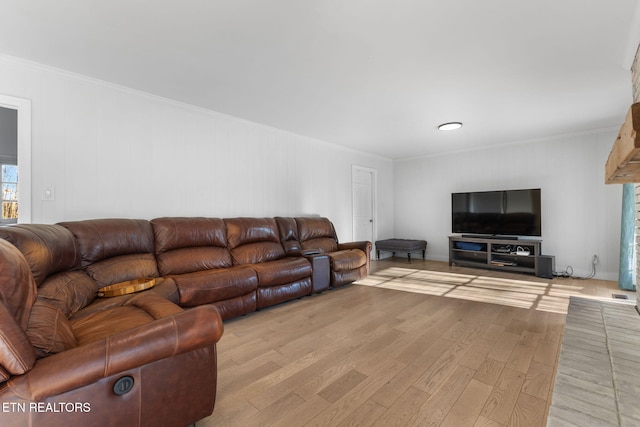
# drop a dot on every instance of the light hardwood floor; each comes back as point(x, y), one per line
point(369, 355)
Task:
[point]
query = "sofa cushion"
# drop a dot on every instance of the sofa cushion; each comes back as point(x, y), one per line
point(182, 232)
point(102, 324)
point(134, 310)
point(17, 355)
point(154, 304)
point(103, 304)
point(122, 268)
point(282, 271)
point(106, 238)
point(17, 286)
point(115, 250)
point(167, 288)
point(210, 286)
point(185, 245)
point(48, 249)
point(49, 330)
point(17, 296)
point(188, 260)
point(317, 234)
point(288, 230)
point(54, 259)
point(69, 291)
point(108, 303)
point(253, 240)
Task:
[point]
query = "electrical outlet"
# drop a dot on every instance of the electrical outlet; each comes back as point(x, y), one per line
point(596, 260)
point(49, 193)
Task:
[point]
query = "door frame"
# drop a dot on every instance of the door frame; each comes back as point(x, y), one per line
point(374, 201)
point(23, 106)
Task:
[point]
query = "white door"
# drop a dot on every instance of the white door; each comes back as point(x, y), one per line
point(363, 191)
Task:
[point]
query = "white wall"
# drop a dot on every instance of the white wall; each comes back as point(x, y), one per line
point(113, 152)
point(581, 215)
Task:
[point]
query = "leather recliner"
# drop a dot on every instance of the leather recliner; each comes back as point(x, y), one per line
point(348, 261)
point(256, 242)
point(315, 235)
point(193, 252)
point(69, 359)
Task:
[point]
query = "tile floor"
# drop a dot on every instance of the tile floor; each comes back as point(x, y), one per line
point(598, 378)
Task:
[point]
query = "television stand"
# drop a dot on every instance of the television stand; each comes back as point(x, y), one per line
point(515, 255)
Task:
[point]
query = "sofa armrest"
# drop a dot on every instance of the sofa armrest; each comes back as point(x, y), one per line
point(364, 246)
point(189, 330)
point(310, 252)
point(303, 253)
point(321, 271)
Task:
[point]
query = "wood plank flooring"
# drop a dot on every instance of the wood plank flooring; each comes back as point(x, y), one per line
point(373, 356)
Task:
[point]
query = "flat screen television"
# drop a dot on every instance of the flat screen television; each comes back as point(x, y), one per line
point(497, 213)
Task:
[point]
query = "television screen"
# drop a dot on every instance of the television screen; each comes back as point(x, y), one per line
point(507, 213)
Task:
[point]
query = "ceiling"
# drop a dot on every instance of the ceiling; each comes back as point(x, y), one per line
point(373, 75)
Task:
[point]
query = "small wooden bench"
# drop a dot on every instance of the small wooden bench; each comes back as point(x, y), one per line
point(401, 245)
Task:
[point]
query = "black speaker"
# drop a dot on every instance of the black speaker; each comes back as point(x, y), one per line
point(545, 266)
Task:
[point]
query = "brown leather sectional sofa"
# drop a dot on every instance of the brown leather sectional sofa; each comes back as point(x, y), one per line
point(69, 357)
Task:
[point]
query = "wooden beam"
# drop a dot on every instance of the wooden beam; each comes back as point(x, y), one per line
point(623, 164)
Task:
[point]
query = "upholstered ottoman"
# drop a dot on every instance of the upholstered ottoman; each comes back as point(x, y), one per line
point(401, 245)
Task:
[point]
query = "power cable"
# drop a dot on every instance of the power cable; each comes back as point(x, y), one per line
point(568, 272)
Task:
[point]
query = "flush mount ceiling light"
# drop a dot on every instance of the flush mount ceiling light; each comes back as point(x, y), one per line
point(450, 126)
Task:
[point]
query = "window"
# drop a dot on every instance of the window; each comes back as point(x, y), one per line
point(9, 194)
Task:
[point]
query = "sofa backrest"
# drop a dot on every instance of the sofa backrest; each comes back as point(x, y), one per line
point(17, 295)
point(53, 256)
point(185, 245)
point(48, 249)
point(253, 240)
point(317, 234)
point(115, 250)
point(288, 230)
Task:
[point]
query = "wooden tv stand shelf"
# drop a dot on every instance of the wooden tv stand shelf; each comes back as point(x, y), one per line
point(495, 253)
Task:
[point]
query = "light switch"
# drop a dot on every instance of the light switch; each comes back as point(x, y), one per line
point(49, 193)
